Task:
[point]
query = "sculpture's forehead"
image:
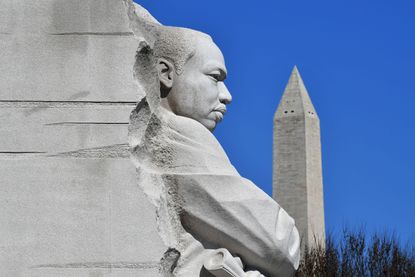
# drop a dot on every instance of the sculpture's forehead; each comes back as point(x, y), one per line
point(207, 53)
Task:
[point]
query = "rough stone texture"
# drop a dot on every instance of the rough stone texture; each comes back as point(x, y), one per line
point(68, 189)
point(202, 202)
point(297, 171)
point(74, 217)
point(55, 127)
point(74, 203)
point(58, 50)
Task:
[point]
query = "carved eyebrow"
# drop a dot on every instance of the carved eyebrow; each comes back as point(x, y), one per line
point(222, 73)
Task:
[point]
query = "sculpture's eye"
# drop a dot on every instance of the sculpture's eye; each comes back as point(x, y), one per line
point(215, 77)
point(217, 74)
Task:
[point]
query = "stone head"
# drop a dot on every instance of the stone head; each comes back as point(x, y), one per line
point(191, 71)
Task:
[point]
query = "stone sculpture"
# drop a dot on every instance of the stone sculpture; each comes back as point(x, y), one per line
point(213, 222)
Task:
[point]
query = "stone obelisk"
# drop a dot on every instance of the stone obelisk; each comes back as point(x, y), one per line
point(297, 170)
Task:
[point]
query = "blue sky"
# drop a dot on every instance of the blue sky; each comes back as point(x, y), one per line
point(357, 59)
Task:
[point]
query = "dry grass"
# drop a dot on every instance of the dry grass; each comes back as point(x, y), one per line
point(354, 255)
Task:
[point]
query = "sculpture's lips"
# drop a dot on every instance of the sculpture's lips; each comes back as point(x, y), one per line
point(219, 112)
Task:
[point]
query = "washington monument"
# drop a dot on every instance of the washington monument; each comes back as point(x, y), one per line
point(297, 170)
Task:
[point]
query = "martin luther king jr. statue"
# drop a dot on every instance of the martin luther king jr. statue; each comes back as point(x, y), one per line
point(213, 221)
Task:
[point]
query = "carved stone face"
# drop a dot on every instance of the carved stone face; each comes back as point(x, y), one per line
point(199, 91)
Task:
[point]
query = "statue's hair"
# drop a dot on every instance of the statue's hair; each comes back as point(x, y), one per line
point(176, 45)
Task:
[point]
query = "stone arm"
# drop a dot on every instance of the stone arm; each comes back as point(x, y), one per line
point(221, 263)
point(223, 211)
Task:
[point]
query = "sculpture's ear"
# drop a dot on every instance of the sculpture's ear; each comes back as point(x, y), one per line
point(165, 71)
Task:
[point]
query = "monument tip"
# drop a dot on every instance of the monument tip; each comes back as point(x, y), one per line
point(295, 69)
point(295, 99)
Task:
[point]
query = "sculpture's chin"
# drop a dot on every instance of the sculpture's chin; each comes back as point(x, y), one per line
point(211, 126)
point(209, 122)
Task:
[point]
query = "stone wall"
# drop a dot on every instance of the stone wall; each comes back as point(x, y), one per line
point(70, 202)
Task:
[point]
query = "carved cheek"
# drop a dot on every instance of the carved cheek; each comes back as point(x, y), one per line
point(212, 91)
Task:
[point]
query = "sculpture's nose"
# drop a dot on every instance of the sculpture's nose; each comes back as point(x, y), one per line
point(225, 96)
